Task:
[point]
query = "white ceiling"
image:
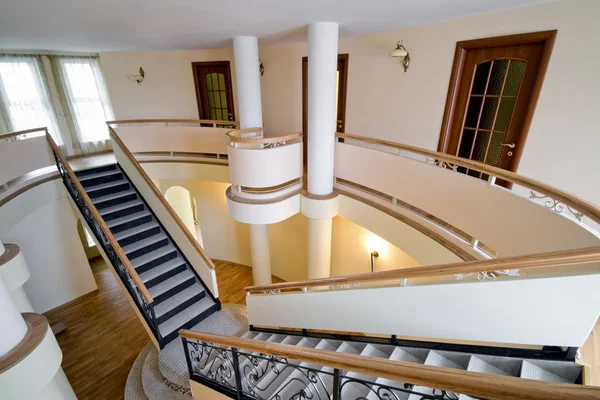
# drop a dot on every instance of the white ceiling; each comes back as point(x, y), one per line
point(119, 25)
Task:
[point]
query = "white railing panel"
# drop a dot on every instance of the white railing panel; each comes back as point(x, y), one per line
point(267, 167)
point(549, 311)
point(509, 223)
point(24, 156)
point(183, 139)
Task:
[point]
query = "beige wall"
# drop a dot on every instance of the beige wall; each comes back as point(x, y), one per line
point(385, 102)
point(168, 90)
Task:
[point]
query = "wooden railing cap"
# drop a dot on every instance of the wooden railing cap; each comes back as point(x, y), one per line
point(24, 132)
point(175, 121)
point(236, 136)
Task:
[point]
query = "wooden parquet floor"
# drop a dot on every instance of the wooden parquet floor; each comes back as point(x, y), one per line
point(104, 335)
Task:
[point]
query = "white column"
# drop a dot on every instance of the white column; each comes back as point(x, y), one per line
point(319, 248)
point(322, 71)
point(2, 249)
point(260, 252)
point(247, 76)
point(14, 327)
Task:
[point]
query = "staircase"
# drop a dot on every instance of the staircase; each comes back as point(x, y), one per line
point(269, 377)
point(181, 300)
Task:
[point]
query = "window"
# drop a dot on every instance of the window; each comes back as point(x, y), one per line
point(86, 97)
point(24, 100)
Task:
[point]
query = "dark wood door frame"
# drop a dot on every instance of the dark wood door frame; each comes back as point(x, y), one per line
point(343, 88)
point(547, 38)
point(198, 85)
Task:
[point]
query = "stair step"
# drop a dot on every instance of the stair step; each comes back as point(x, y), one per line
point(154, 258)
point(107, 188)
point(138, 233)
point(175, 304)
point(357, 390)
point(120, 210)
point(86, 172)
point(129, 221)
point(435, 359)
point(478, 365)
point(100, 177)
point(114, 199)
point(167, 270)
point(189, 314)
point(172, 286)
point(531, 371)
point(145, 246)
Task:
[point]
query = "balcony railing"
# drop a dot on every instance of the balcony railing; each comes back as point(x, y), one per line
point(264, 168)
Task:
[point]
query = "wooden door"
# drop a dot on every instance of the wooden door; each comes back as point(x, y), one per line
point(493, 93)
point(213, 90)
point(341, 90)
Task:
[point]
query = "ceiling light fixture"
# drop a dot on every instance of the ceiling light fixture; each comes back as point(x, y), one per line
point(400, 51)
point(138, 78)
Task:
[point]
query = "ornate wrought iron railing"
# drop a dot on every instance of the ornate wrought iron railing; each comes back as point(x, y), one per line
point(255, 370)
point(257, 376)
point(129, 277)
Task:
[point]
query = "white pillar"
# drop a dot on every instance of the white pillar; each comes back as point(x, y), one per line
point(319, 248)
point(14, 327)
point(247, 76)
point(2, 248)
point(260, 252)
point(322, 71)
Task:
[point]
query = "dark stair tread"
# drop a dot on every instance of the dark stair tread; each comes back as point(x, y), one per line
point(170, 283)
point(174, 323)
point(144, 243)
point(153, 255)
point(106, 185)
point(135, 231)
point(101, 174)
point(86, 172)
point(119, 207)
point(113, 196)
point(161, 269)
point(127, 218)
point(181, 297)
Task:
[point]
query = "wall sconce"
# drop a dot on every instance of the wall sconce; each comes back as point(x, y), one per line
point(138, 78)
point(374, 254)
point(261, 67)
point(400, 51)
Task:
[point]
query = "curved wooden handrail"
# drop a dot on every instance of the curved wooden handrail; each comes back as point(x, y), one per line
point(587, 208)
point(162, 199)
point(113, 242)
point(539, 260)
point(235, 136)
point(471, 383)
point(19, 133)
point(175, 121)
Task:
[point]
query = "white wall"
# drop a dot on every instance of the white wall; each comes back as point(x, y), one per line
point(385, 102)
point(44, 225)
point(168, 90)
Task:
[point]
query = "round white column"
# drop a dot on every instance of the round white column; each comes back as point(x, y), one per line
point(247, 77)
point(2, 249)
point(14, 327)
point(319, 248)
point(260, 252)
point(322, 72)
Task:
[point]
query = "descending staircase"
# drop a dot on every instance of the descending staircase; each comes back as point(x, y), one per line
point(180, 298)
point(267, 378)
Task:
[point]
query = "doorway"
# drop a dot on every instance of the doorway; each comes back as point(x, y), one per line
point(214, 92)
point(341, 90)
point(493, 92)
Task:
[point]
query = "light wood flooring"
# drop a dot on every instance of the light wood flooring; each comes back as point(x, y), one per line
point(104, 335)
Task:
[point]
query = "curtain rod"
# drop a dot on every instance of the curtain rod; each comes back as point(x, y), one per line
point(45, 53)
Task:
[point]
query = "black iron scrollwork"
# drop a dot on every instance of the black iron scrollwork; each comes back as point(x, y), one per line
point(258, 376)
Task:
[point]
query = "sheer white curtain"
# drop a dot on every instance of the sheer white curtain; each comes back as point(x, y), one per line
point(24, 99)
point(84, 93)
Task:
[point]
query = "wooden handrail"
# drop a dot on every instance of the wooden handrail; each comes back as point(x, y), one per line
point(453, 380)
point(178, 121)
point(235, 136)
point(539, 260)
point(120, 253)
point(19, 133)
point(587, 208)
point(162, 199)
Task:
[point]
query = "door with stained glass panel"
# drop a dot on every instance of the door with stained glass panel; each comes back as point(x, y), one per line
point(494, 103)
point(214, 91)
